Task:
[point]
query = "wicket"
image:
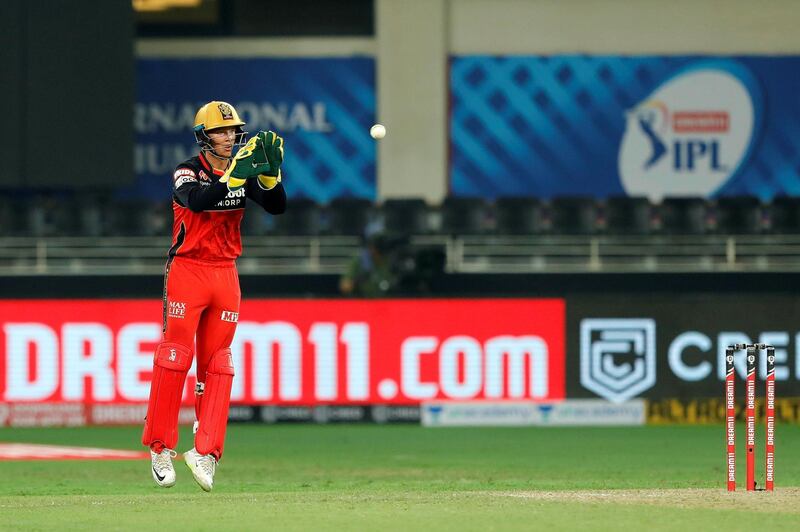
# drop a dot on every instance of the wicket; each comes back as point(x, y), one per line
point(750, 415)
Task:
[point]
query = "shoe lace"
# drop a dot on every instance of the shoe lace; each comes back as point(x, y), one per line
point(163, 460)
point(208, 463)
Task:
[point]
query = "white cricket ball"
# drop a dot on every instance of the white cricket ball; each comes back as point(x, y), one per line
point(377, 131)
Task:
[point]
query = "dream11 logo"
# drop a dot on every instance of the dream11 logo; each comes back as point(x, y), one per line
point(692, 134)
point(618, 356)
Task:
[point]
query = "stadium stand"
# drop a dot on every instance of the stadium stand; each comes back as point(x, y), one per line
point(517, 215)
point(573, 215)
point(348, 216)
point(740, 215)
point(465, 216)
point(628, 215)
point(407, 216)
point(683, 215)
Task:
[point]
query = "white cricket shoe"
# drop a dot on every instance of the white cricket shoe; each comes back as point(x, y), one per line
point(162, 470)
point(202, 466)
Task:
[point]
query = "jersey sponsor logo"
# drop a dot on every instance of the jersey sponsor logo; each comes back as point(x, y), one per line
point(176, 309)
point(230, 316)
point(235, 198)
point(184, 175)
point(180, 172)
point(183, 180)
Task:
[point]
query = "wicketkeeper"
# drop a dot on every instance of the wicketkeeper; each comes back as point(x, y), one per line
point(201, 286)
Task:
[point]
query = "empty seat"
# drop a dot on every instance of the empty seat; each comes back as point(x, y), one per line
point(407, 216)
point(628, 215)
point(127, 217)
point(15, 215)
point(738, 215)
point(573, 215)
point(683, 215)
point(302, 218)
point(783, 214)
point(465, 216)
point(349, 216)
point(517, 215)
point(51, 216)
point(256, 221)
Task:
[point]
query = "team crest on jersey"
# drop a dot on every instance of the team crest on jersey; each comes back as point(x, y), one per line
point(227, 112)
point(204, 176)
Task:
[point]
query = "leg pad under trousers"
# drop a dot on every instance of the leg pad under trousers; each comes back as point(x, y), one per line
point(216, 398)
point(170, 365)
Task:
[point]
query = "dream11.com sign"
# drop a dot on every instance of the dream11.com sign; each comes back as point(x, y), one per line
point(296, 352)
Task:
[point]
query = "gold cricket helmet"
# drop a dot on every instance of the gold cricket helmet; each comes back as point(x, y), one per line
point(215, 115)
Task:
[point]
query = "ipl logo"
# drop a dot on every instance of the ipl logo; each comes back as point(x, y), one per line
point(618, 356)
point(692, 134)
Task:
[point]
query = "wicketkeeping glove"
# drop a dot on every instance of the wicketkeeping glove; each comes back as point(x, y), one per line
point(250, 161)
point(272, 146)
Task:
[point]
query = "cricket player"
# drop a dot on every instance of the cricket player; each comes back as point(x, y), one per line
point(201, 286)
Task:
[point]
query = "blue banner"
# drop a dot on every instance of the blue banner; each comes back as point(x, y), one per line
point(322, 107)
point(641, 126)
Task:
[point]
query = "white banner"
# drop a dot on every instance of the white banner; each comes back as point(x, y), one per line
point(572, 412)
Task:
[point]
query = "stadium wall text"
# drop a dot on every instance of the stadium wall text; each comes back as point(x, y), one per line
point(295, 354)
point(323, 107)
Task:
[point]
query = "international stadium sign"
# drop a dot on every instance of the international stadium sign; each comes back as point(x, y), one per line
point(323, 107)
point(639, 126)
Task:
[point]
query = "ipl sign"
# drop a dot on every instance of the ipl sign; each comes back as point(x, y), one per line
point(605, 126)
point(692, 134)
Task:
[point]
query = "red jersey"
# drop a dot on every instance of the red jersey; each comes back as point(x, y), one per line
point(207, 216)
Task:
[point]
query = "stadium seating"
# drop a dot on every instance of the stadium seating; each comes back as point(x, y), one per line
point(628, 215)
point(405, 216)
point(573, 215)
point(739, 215)
point(517, 215)
point(464, 216)
point(783, 215)
point(98, 216)
point(302, 219)
point(348, 216)
point(683, 215)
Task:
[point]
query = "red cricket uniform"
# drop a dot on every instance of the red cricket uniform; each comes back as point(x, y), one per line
point(201, 301)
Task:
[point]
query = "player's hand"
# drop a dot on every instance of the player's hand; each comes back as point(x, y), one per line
point(250, 161)
point(272, 144)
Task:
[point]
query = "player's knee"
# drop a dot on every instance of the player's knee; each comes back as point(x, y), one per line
point(221, 362)
point(174, 356)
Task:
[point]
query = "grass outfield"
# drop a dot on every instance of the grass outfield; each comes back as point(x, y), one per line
point(355, 477)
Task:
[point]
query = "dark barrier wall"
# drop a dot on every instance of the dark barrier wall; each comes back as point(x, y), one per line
point(68, 91)
point(667, 346)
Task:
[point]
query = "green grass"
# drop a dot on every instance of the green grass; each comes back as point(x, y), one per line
point(357, 477)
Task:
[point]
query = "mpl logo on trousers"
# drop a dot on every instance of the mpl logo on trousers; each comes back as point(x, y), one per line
point(618, 356)
point(691, 135)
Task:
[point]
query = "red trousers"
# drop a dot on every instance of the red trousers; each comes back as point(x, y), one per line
point(201, 302)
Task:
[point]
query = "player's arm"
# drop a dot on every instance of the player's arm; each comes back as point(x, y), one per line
point(192, 194)
point(273, 200)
